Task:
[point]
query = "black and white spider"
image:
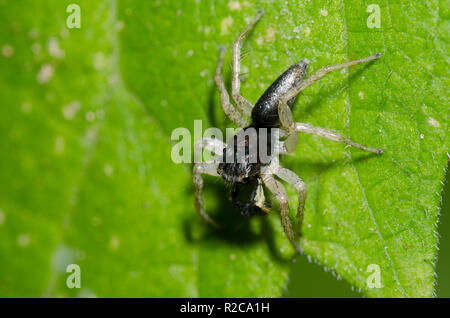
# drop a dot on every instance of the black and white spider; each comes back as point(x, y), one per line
point(271, 111)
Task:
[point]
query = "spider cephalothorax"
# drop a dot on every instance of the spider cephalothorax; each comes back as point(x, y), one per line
point(246, 153)
point(249, 151)
point(242, 161)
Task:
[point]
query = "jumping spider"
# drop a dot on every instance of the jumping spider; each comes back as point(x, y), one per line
point(271, 111)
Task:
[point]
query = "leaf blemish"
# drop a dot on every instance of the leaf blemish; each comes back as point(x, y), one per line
point(108, 170)
point(7, 51)
point(307, 32)
point(45, 73)
point(54, 49)
point(23, 240)
point(361, 95)
point(225, 25)
point(270, 34)
point(323, 12)
point(433, 122)
point(59, 145)
point(234, 6)
point(69, 111)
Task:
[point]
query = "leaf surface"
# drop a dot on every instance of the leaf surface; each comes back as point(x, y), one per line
point(87, 177)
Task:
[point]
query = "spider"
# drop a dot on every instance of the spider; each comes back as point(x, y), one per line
point(272, 111)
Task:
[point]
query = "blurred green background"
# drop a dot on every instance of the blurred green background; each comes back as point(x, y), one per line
point(84, 174)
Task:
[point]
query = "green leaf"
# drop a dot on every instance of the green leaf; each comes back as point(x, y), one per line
point(87, 177)
point(361, 209)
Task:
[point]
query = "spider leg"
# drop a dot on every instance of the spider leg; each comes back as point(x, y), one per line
point(294, 180)
point(334, 136)
point(287, 123)
point(235, 116)
point(213, 145)
point(259, 199)
point(291, 142)
point(321, 73)
point(280, 193)
point(285, 113)
point(287, 146)
point(281, 148)
point(199, 169)
point(242, 103)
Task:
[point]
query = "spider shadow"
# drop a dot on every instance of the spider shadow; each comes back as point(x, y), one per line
point(319, 99)
point(328, 165)
point(236, 230)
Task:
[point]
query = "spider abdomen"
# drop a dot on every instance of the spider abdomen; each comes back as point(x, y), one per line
point(265, 112)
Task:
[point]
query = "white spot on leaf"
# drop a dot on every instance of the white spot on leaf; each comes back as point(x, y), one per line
point(114, 242)
point(120, 25)
point(270, 34)
point(99, 60)
point(260, 40)
point(26, 107)
point(108, 170)
point(7, 50)
point(225, 25)
point(433, 122)
point(323, 12)
point(307, 32)
point(234, 5)
point(59, 145)
point(69, 111)
point(45, 74)
point(90, 116)
point(54, 49)
point(23, 240)
point(361, 95)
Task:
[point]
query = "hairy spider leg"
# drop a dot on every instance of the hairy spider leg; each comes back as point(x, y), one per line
point(216, 146)
point(285, 113)
point(324, 71)
point(211, 144)
point(280, 194)
point(199, 169)
point(294, 180)
point(231, 112)
point(241, 102)
point(333, 136)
